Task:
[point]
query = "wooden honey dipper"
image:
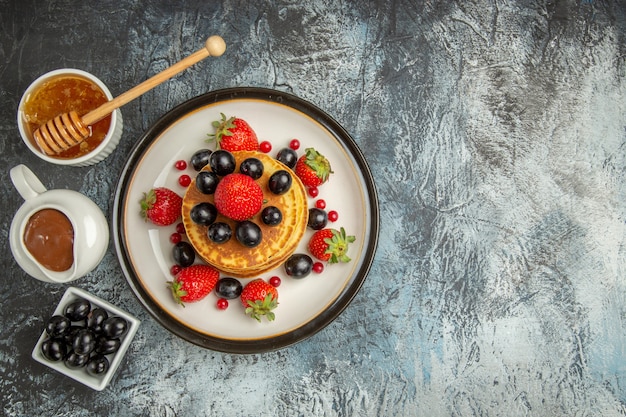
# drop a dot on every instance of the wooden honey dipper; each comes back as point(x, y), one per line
point(69, 129)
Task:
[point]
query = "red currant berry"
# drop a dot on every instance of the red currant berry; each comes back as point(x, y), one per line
point(175, 238)
point(333, 216)
point(314, 191)
point(265, 147)
point(294, 144)
point(184, 180)
point(180, 165)
point(180, 228)
point(175, 269)
point(222, 303)
point(318, 267)
point(320, 204)
point(275, 281)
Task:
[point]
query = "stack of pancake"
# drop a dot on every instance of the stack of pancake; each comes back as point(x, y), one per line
point(278, 242)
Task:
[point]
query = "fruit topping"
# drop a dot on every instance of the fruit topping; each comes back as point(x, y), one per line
point(275, 281)
point(234, 134)
point(265, 147)
point(294, 144)
point(175, 238)
point(220, 232)
point(288, 157)
point(180, 165)
point(333, 216)
point(238, 197)
point(161, 206)
point(248, 234)
point(251, 167)
point(184, 180)
point(193, 283)
point(203, 213)
point(271, 216)
point(200, 158)
point(206, 182)
point(222, 162)
point(183, 254)
point(330, 245)
point(222, 303)
point(298, 265)
point(228, 288)
point(318, 267)
point(313, 168)
point(317, 219)
point(280, 182)
point(259, 299)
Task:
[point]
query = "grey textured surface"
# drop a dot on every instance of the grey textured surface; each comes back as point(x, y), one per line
point(496, 132)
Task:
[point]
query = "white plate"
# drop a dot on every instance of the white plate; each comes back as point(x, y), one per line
point(305, 305)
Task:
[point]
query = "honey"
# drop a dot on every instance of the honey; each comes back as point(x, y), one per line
point(49, 237)
point(60, 95)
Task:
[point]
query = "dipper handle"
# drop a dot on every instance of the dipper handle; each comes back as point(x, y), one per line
point(214, 46)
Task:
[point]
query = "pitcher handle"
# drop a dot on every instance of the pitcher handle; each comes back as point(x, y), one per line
point(26, 182)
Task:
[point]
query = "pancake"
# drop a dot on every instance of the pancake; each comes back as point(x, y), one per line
point(278, 242)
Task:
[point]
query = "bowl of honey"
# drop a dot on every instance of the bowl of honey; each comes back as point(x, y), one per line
point(61, 91)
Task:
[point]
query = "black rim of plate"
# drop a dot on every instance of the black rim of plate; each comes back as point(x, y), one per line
point(275, 342)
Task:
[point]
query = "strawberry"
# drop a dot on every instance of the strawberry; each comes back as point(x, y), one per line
point(330, 245)
point(259, 299)
point(193, 283)
point(313, 168)
point(161, 206)
point(238, 196)
point(234, 134)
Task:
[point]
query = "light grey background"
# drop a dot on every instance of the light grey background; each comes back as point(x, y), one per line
point(496, 134)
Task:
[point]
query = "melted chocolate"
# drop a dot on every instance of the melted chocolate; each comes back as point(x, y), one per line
point(49, 237)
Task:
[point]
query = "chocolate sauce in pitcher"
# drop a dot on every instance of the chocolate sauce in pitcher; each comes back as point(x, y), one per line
point(49, 237)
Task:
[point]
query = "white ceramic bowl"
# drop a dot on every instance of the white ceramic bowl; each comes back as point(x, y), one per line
point(102, 151)
point(97, 383)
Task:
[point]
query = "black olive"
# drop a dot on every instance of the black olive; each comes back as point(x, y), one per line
point(97, 365)
point(114, 327)
point(58, 326)
point(77, 310)
point(54, 349)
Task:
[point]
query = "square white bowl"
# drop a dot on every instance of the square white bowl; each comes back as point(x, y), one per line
point(99, 382)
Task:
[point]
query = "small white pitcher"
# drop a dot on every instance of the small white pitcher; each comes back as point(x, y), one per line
point(91, 231)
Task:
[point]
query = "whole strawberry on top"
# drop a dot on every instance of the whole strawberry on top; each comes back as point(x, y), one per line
point(259, 298)
point(193, 283)
point(238, 197)
point(234, 134)
point(313, 168)
point(330, 245)
point(161, 206)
